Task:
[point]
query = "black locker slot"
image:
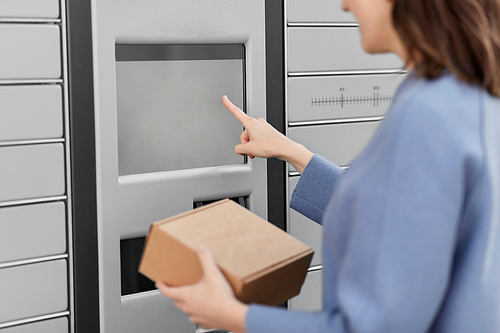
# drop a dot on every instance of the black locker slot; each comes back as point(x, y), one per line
point(130, 257)
point(242, 201)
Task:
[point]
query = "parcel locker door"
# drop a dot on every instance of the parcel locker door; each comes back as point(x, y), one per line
point(30, 51)
point(46, 9)
point(59, 325)
point(322, 98)
point(31, 112)
point(33, 290)
point(320, 49)
point(317, 11)
point(339, 143)
point(159, 74)
point(32, 171)
point(32, 231)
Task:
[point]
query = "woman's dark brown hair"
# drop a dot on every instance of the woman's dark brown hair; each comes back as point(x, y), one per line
point(462, 36)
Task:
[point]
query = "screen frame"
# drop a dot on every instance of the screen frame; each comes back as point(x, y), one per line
point(125, 52)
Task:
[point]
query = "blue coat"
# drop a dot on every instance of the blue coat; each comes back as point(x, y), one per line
point(411, 238)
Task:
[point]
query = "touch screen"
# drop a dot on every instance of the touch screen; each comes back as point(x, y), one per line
point(170, 111)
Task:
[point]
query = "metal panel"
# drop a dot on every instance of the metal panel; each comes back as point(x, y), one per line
point(32, 231)
point(317, 11)
point(46, 9)
point(128, 204)
point(340, 143)
point(30, 112)
point(31, 171)
point(30, 51)
point(310, 297)
point(306, 230)
point(59, 325)
point(333, 49)
point(33, 290)
point(340, 97)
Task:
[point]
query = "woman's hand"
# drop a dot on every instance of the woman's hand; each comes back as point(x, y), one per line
point(259, 139)
point(210, 302)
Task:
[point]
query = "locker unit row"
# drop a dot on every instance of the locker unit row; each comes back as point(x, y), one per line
point(34, 205)
point(336, 97)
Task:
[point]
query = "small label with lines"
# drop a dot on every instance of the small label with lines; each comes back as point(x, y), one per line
point(375, 100)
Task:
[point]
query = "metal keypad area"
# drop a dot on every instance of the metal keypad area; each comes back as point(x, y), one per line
point(336, 97)
point(35, 250)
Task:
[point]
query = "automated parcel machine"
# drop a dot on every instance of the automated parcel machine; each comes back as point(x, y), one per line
point(164, 141)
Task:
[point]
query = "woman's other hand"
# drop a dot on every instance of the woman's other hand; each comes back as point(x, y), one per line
point(210, 302)
point(260, 139)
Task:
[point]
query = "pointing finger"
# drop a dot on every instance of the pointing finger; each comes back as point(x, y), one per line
point(240, 115)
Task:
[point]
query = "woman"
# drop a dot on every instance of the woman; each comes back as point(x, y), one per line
point(412, 229)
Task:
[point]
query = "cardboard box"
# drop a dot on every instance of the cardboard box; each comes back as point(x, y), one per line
point(262, 263)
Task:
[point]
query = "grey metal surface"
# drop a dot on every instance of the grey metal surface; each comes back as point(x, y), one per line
point(30, 51)
point(31, 171)
point(29, 9)
point(304, 229)
point(340, 144)
point(32, 231)
point(340, 97)
point(30, 112)
point(33, 290)
point(127, 205)
point(58, 325)
point(171, 116)
point(333, 49)
point(310, 297)
point(317, 11)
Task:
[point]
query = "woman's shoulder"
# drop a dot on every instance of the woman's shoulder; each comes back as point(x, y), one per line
point(446, 95)
point(438, 121)
point(445, 105)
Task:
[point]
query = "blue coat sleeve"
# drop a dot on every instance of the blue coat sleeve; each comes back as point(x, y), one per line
point(315, 188)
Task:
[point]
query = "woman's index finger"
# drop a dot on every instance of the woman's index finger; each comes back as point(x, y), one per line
point(236, 111)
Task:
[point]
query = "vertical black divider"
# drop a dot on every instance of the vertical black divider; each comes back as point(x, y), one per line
point(275, 104)
point(83, 167)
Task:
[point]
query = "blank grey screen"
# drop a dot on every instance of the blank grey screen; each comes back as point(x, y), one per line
point(171, 116)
